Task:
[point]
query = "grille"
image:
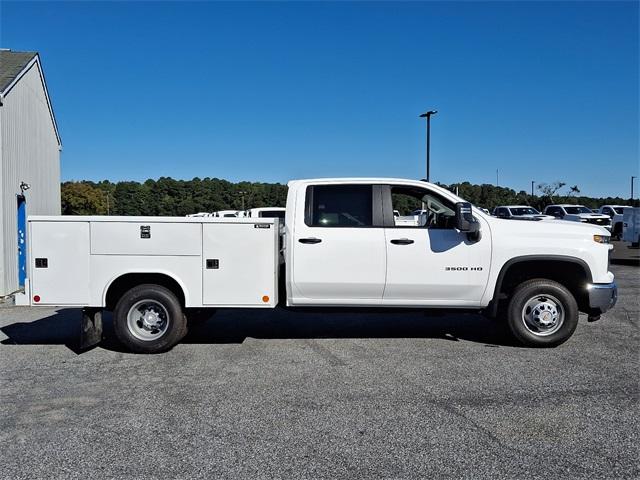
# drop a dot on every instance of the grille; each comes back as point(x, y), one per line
point(599, 221)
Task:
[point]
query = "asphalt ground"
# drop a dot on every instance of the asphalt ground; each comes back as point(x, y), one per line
point(286, 394)
point(624, 254)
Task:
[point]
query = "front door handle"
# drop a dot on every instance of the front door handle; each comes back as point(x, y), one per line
point(402, 241)
point(310, 240)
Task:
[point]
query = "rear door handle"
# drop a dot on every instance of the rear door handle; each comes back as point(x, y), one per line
point(310, 240)
point(401, 241)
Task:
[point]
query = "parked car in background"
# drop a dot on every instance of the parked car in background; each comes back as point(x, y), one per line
point(578, 213)
point(615, 212)
point(266, 212)
point(631, 226)
point(219, 214)
point(199, 214)
point(228, 214)
point(519, 211)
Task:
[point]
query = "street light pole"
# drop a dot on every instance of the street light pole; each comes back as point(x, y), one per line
point(633, 177)
point(532, 183)
point(427, 115)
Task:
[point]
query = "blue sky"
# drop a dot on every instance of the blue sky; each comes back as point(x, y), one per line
point(275, 91)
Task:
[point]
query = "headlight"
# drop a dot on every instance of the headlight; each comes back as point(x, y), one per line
point(601, 238)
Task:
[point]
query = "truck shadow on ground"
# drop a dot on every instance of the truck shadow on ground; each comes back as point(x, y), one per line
point(235, 325)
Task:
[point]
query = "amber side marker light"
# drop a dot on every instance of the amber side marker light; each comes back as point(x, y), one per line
point(265, 299)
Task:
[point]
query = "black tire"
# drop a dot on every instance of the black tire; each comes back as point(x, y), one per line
point(161, 298)
point(535, 292)
point(616, 233)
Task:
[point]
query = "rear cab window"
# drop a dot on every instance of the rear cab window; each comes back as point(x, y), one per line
point(348, 205)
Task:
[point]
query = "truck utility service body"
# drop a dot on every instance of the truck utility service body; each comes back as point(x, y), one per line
point(341, 248)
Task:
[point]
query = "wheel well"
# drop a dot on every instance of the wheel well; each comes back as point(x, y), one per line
point(573, 275)
point(126, 282)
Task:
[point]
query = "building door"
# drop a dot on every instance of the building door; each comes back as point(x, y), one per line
point(22, 240)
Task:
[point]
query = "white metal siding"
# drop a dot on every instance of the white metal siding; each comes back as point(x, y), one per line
point(30, 153)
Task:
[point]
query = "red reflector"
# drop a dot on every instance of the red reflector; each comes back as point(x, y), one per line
point(36, 298)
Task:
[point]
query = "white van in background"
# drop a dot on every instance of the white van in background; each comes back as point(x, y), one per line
point(631, 226)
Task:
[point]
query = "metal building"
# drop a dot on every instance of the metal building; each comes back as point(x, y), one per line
point(29, 159)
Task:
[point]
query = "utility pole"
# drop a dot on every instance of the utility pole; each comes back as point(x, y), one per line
point(427, 115)
point(242, 194)
point(532, 183)
point(497, 177)
point(107, 203)
point(633, 177)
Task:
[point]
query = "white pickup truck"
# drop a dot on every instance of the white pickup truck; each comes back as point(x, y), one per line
point(615, 212)
point(578, 213)
point(342, 248)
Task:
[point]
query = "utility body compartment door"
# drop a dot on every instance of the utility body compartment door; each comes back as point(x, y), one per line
point(59, 262)
point(240, 264)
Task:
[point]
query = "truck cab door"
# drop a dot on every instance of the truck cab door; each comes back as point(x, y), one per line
point(338, 246)
point(430, 262)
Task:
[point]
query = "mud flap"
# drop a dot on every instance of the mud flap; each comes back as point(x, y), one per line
point(90, 328)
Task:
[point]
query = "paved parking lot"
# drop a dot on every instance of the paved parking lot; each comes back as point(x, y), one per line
point(264, 394)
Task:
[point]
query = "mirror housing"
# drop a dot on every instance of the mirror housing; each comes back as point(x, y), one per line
point(464, 218)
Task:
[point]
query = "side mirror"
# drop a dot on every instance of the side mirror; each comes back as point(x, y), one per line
point(464, 218)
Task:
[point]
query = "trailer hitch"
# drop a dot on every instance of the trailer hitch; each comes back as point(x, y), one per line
point(90, 328)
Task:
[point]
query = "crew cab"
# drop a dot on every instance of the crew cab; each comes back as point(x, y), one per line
point(578, 213)
point(615, 213)
point(522, 212)
point(344, 246)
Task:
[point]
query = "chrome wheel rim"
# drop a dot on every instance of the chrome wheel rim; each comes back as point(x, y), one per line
point(543, 315)
point(148, 320)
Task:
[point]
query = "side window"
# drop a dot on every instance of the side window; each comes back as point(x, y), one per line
point(555, 211)
point(417, 207)
point(339, 206)
point(501, 212)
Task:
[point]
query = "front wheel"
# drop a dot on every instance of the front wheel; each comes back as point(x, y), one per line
point(149, 319)
point(542, 313)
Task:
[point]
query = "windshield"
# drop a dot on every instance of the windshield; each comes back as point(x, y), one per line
point(577, 210)
point(619, 210)
point(524, 211)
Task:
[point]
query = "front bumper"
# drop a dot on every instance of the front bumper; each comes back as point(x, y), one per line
point(602, 296)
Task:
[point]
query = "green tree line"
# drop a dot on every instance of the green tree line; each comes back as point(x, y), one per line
point(169, 197)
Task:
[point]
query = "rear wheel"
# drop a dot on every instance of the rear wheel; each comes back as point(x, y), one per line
point(542, 313)
point(149, 319)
